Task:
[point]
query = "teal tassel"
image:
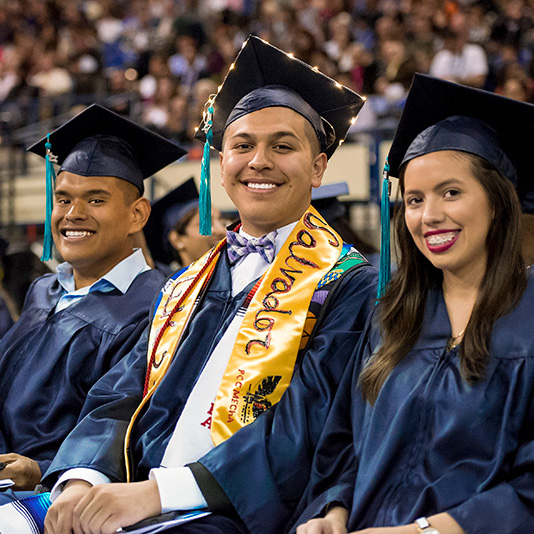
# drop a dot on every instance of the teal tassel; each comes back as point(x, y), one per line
point(205, 179)
point(385, 251)
point(50, 185)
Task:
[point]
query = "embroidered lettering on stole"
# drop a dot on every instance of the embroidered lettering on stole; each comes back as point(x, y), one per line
point(263, 358)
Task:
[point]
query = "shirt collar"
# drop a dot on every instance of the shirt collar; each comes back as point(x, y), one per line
point(121, 276)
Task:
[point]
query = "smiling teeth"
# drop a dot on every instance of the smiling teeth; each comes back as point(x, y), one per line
point(440, 239)
point(261, 186)
point(77, 233)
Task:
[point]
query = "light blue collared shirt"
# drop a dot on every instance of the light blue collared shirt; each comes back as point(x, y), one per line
point(120, 277)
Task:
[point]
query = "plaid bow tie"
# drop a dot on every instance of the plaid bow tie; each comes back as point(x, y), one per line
point(239, 246)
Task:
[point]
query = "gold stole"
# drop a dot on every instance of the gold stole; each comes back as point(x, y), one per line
point(263, 357)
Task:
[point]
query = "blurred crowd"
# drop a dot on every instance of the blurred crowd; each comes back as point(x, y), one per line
point(172, 54)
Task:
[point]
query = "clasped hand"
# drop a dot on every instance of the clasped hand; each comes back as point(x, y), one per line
point(101, 509)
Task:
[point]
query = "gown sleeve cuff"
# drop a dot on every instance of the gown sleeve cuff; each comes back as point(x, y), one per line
point(215, 496)
point(178, 489)
point(92, 476)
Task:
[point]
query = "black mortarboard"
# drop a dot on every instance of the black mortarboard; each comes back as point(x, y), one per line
point(260, 64)
point(264, 76)
point(166, 213)
point(440, 115)
point(99, 142)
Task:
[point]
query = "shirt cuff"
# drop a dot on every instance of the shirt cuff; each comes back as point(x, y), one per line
point(178, 489)
point(92, 476)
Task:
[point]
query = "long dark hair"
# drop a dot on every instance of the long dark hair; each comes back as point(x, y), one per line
point(402, 307)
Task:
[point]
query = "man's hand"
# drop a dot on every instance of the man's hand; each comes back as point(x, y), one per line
point(24, 471)
point(333, 523)
point(59, 518)
point(106, 507)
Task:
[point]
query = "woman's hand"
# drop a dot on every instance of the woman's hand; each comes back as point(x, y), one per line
point(333, 523)
point(443, 522)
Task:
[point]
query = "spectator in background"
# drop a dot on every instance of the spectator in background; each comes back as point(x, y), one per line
point(516, 89)
point(515, 83)
point(177, 120)
point(338, 45)
point(9, 71)
point(420, 34)
point(512, 24)
point(158, 67)
point(119, 91)
point(479, 21)
point(49, 77)
point(54, 83)
point(303, 45)
point(20, 103)
point(460, 61)
point(364, 69)
point(84, 61)
point(156, 114)
point(396, 68)
point(188, 65)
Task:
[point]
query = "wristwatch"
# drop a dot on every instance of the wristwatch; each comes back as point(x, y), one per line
point(423, 526)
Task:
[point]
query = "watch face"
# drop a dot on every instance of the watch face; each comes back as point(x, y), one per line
point(430, 530)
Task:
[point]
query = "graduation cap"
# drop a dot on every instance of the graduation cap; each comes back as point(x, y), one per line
point(99, 142)
point(441, 115)
point(498, 129)
point(166, 213)
point(325, 200)
point(264, 76)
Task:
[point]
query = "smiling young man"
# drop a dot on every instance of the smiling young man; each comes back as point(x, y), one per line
point(281, 297)
point(77, 324)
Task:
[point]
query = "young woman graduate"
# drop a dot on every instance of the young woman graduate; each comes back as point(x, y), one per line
point(442, 406)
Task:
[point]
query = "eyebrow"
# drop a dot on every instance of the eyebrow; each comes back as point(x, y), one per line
point(89, 193)
point(440, 185)
point(273, 136)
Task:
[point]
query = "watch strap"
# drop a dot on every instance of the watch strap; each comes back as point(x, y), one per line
point(424, 527)
point(422, 523)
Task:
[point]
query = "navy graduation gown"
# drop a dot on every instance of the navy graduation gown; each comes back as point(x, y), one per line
point(432, 443)
point(97, 441)
point(49, 361)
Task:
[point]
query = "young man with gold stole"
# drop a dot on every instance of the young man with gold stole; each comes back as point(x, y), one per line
point(281, 296)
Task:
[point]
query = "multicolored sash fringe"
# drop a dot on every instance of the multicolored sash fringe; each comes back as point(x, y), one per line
point(25, 516)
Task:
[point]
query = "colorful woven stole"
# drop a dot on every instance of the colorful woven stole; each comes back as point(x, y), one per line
point(263, 358)
point(25, 516)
